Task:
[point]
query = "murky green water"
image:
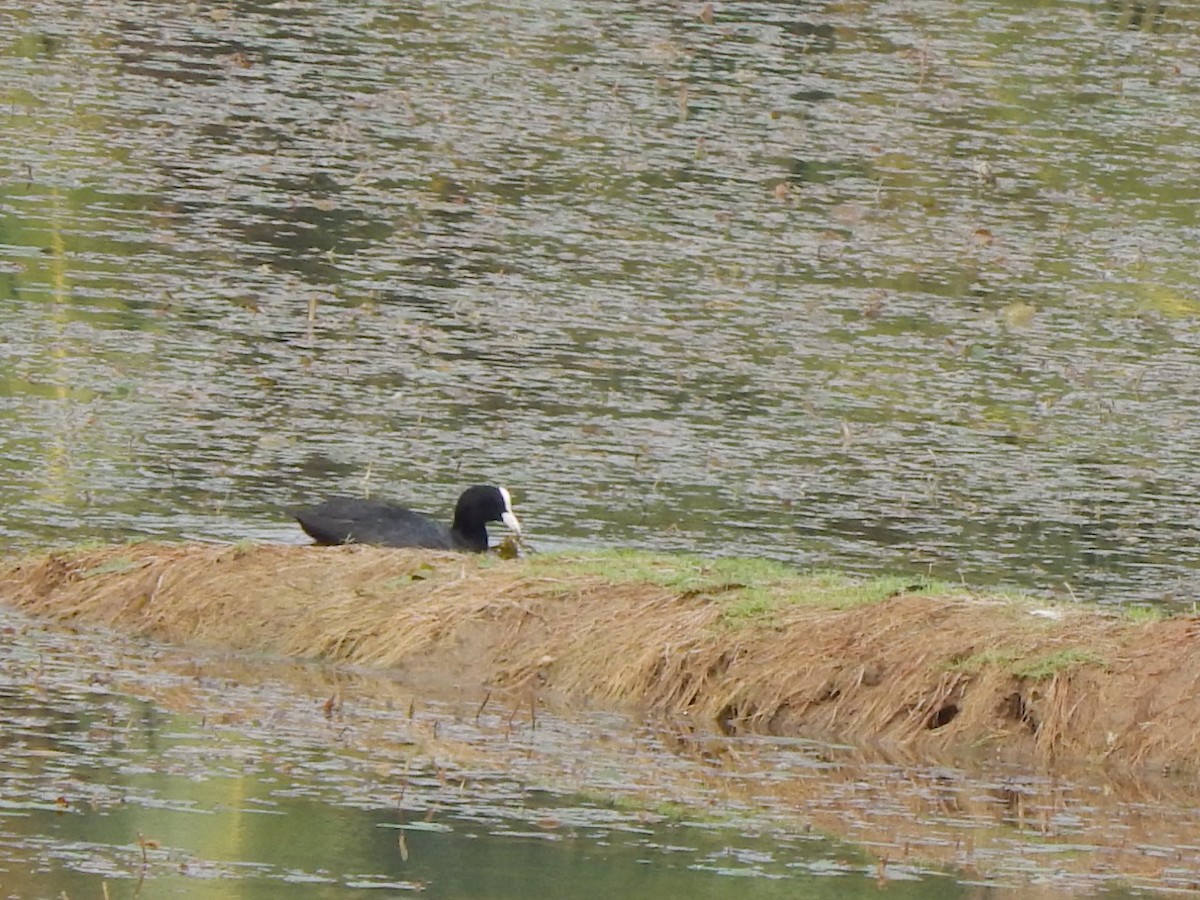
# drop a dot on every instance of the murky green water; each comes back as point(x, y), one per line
point(130, 769)
point(902, 286)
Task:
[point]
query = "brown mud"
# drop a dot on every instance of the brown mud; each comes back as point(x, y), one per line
point(926, 675)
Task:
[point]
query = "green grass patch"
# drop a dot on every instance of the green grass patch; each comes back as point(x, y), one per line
point(1019, 665)
point(1041, 667)
point(681, 572)
point(977, 662)
point(749, 589)
point(87, 545)
point(113, 566)
point(1145, 613)
point(835, 589)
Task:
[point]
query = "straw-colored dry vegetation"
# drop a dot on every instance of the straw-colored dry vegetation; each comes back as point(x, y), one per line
point(735, 645)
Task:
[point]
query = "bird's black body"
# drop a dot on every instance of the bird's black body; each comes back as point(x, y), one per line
point(346, 520)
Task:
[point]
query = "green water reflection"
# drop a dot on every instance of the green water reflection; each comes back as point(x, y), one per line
point(882, 287)
point(311, 850)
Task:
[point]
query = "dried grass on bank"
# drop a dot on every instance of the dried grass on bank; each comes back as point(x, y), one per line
point(933, 674)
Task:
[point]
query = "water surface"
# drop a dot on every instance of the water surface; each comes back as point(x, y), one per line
point(874, 286)
point(136, 769)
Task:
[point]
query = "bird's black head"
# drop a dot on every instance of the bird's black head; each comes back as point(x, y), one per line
point(479, 505)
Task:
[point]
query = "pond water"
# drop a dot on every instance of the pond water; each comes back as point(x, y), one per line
point(866, 285)
point(254, 783)
point(134, 769)
point(876, 286)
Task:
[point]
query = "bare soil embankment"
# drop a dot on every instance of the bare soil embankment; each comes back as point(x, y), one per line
point(930, 670)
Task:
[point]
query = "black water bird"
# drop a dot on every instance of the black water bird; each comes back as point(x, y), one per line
point(347, 520)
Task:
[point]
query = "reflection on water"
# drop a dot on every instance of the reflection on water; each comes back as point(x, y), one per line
point(249, 782)
point(890, 287)
point(159, 771)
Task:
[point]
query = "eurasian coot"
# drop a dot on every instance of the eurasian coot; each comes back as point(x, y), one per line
point(346, 520)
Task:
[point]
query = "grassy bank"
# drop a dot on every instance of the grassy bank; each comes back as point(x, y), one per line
point(743, 646)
